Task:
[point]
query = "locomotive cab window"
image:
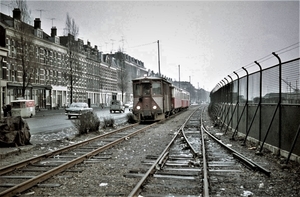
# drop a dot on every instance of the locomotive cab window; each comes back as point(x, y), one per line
point(156, 88)
point(137, 89)
point(146, 89)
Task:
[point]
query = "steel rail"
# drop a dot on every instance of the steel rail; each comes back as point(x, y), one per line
point(46, 175)
point(38, 158)
point(196, 153)
point(137, 188)
point(248, 162)
point(236, 154)
point(205, 167)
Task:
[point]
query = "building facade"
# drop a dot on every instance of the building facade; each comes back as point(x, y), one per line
point(134, 68)
point(56, 70)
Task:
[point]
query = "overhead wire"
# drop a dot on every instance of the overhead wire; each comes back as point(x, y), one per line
point(141, 45)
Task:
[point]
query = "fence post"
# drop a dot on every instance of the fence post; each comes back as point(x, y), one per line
point(238, 97)
point(230, 89)
point(258, 107)
point(246, 104)
point(237, 102)
point(245, 107)
point(260, 98)
point(224, 105)
point(227, 98)
point(280, 101)
point(278, 107)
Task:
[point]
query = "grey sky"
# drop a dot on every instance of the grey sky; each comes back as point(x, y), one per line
point(208, 39)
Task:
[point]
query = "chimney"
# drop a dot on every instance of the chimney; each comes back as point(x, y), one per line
point(53, 31)
point(96, 47)
point(17, 14)
point(37, 23)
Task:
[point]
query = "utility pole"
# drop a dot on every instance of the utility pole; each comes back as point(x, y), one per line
point(158, 58)
point(179, 74)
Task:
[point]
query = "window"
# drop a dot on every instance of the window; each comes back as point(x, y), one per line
point(137, 89)
point(146, 89)
point(4, 73)
point(156, 88)
point(13, 75)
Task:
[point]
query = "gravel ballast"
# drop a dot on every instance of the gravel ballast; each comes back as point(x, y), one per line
point(107, 178)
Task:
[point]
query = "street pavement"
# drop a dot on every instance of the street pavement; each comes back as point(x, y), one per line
point(48, 112)
point(101, 113)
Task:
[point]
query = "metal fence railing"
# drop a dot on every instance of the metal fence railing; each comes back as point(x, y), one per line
point(264, 105)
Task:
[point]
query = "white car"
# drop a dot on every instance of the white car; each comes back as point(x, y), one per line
point(77, 109)
point(128, 105)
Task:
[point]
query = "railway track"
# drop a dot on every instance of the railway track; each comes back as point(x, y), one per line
point(195, 163)
point(226, 167)
point(176, 171)
point(23, 175)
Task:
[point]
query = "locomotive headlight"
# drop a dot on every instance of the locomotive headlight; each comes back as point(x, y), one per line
point(138, 107)
point(154, 107)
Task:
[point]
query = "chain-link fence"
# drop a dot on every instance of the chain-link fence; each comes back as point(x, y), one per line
point(263, 106)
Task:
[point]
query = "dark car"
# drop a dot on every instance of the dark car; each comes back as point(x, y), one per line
point(77, 109)
point(116, 105)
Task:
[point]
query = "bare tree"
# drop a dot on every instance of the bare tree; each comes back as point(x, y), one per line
point(71, 27)
point(26, 60)
point(122, 73)
point(72, 74)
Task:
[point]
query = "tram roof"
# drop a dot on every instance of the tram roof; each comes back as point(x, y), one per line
point(150, 78)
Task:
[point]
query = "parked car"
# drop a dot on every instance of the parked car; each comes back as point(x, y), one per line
point(116, 105)
point(128, 104)
point(77, 109)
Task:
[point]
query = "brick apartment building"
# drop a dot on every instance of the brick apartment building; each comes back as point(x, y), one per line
point(58, 67)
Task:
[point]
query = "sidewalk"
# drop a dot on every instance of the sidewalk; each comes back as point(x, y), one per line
point(49, 112)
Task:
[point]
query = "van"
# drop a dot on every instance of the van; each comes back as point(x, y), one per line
point(23, 108)
point(116, 105)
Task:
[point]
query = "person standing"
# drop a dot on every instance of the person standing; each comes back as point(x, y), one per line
point(4, 108)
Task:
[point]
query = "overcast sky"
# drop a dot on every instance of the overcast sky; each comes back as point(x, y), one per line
point(208, 39)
